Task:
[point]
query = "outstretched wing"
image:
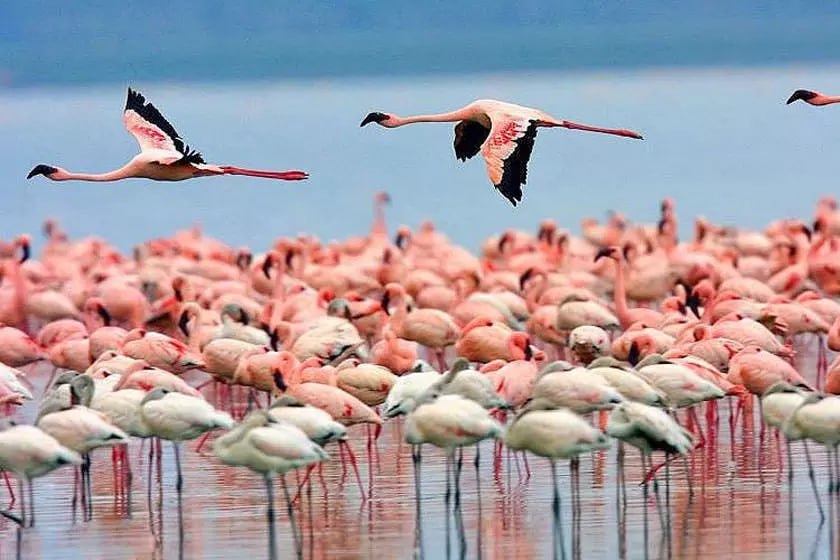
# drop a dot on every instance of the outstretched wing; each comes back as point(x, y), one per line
point(507, 151)
point(469, 136)
point(154, 132)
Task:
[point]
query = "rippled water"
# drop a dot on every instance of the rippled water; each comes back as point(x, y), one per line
point(739, 506)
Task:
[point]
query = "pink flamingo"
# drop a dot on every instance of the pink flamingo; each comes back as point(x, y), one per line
point(17, 348)
point(394, 353)
point(482, 340)
point(504, 133)
point(432, 328)
point(163, 154)
point(160, 351)
point(626, 315)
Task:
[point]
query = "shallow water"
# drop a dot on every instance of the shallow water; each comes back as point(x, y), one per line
point(739, 506)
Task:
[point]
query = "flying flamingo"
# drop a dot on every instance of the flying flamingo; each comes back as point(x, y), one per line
point(163, 154)
point(504, 133)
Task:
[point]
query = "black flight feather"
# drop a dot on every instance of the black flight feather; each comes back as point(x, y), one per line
point(137, 103)
point(469, 136)
point(515, 170)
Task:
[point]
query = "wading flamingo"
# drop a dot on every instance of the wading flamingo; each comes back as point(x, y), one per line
point(554, 432)
point(163, 154)
point(30, 452)
point(504, 133)
point(269, 448)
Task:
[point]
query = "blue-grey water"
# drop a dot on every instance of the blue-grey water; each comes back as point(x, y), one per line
point(720, 141)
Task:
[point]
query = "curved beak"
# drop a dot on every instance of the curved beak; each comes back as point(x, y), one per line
point(373, 117)
point(41, 169)
point(633, 355)
point(386, 300)
point(604, 252)
point(266, 266)
point(279, 382)
point(803, 94)
point(183, 320)
point(104, 315)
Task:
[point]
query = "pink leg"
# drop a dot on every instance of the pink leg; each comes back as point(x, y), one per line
point(201, 442)
point(11, 490)
point(702, 438)
point(303, 482)
point(441, 357)
point(527, 466)
point(355, 469)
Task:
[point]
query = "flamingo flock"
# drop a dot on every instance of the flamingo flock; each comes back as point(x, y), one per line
point(544, 343)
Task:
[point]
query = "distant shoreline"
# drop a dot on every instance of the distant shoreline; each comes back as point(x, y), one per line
point(367, 54)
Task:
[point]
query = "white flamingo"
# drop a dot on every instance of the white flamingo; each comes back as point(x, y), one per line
point(29, 453)
point(177, 417)
point(269, 449)
point(552, 432)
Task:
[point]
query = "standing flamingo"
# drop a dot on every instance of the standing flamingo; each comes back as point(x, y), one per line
point(30, 452)
point(269, 448)
point(504, 133)
point(163, 154)
point(553, 432)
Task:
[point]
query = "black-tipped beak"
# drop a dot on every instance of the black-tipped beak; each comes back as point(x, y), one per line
point(399, 241)
point(374, 117)
point(605, 252)
point(806, 231)
point(41, 169)
point(279, 382)
point(274, 339)
point(633, 355)
point(104, 315)
point(693, 303)
point(26, 252)
point(386, 301)
point(182, 323)
point(802, 94)
point(524, 278)
point(529, 354)
point(266, 266)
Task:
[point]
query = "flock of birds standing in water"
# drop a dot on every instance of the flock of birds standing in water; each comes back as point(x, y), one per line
point(551, 344)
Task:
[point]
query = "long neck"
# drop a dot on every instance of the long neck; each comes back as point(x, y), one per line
point(620, 295)
point(379, 227)
point(825, 100)
point(453, 116)
point(115, 175)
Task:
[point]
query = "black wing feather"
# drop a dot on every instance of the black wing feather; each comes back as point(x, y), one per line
point(515, 170)
point(469, 136)
point(137, 103)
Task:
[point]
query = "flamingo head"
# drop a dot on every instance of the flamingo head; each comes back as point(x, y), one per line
point(802, 94)
point(46, 170)
point(609, 252)
point(383, 119)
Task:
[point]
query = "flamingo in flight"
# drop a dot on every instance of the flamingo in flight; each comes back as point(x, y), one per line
point(503, 132)
point(164, 156)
